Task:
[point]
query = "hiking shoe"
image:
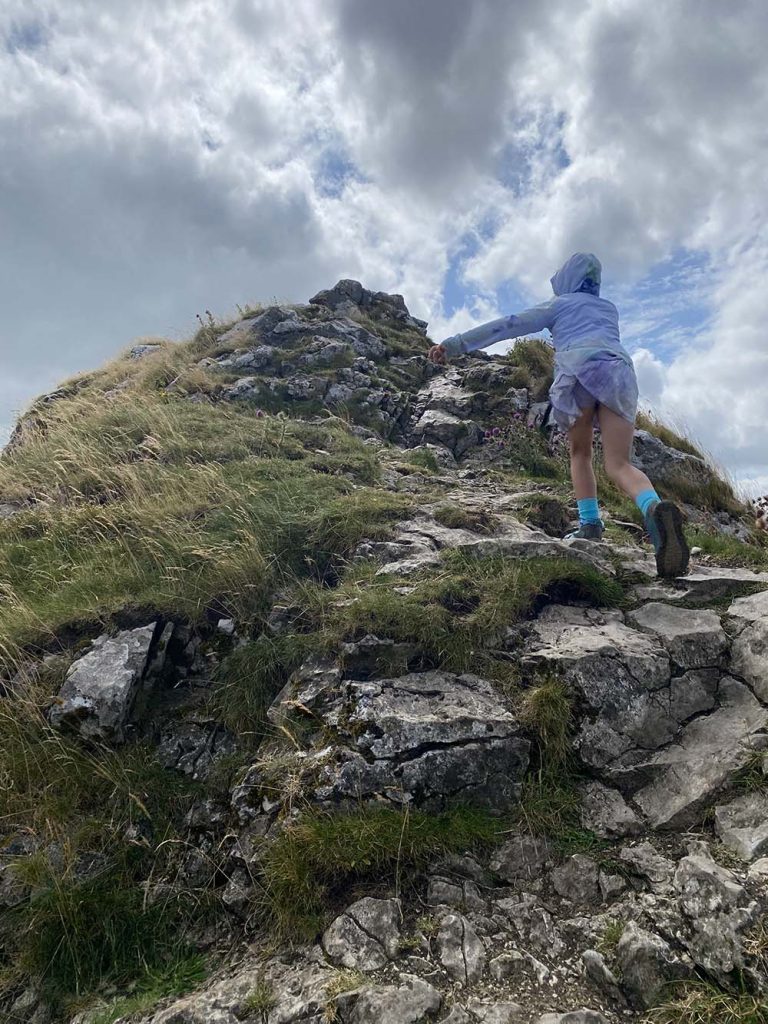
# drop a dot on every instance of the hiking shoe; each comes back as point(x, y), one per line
point(665, 528)
point(587, 531)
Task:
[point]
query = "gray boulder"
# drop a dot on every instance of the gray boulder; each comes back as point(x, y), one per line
point(426, 737)
point(716, 909)
point(643, 860)
point(366, 936)
point(411, 1001)
point(98, 693)
point(647, 965)
point(139, 351)
point(688, 775)
point(667, 465)
point(521, 859)
point(447, 429)
point(460, 949)
point(606, 812)
point(693, 637)
point(576, 880)
point(742, 825)
point(749, 655)
point(495, 1013)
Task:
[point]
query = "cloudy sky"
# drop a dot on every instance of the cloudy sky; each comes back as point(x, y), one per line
point(165, 157)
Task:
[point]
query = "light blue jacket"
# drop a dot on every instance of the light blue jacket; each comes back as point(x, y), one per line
point(585, 336)
point(575, 317)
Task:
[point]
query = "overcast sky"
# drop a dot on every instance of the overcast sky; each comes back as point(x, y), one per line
point(165, 157)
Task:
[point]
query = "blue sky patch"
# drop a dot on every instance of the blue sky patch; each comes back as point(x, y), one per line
point(25, 37)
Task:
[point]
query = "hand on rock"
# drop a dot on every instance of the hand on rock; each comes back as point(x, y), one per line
point(437, 354)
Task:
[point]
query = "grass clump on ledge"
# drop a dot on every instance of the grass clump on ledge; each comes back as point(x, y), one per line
point(317, 859)
point(456, 612)
point(706, 1004)
point(647, 421)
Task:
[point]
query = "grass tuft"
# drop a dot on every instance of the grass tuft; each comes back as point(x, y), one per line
point(705, 1004)
point(315, 861)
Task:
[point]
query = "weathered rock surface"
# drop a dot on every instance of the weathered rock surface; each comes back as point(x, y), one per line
point(648, 965)
point(410, 1002)
point(716, 910)
point(421, 738)
point(460, 949)
point(694, 638)
point(97, 696)
point(365, 936)
point(749, 656)
point(606, 812)
point(742, 824)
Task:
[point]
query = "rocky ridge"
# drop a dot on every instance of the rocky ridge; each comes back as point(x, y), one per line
point(669, 721)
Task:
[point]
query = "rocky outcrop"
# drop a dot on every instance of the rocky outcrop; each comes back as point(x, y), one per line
point(98, 694)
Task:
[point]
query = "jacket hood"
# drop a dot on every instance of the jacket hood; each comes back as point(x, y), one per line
point(580, 273)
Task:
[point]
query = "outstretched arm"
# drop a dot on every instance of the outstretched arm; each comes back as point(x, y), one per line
point(530, 321)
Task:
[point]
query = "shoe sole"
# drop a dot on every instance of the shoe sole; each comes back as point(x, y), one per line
point(673, 554)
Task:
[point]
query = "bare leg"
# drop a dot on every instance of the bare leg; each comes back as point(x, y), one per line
point(580, 442)
point(617, 436)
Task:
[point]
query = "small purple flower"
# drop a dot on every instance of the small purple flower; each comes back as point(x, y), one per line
point(487, 434)
point(496, 431)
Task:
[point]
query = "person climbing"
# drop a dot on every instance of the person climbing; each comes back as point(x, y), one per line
point(594, 382)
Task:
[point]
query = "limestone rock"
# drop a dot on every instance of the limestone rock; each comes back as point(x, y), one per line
point(100, 687)
point(495, 1013)
point(643, 860)
point(647, 964)
point(606, 812)
point(717, 910)
point(688, 775)
point(601, 975)
point(667, 465)
point(460, 949)
point(409, 1002)
point(439, 427)
point(742, 825)
point(749, 655)
point(365, 936)
point(139, 351)
point(693, 637)
point(193, 747)
point(521, 859)
point(576, 880)
point(426, 737)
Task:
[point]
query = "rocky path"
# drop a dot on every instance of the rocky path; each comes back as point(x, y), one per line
point(669, 738)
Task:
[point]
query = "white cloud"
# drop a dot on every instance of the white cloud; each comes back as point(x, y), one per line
point(162, 158)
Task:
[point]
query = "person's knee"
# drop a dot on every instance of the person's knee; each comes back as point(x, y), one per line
point(581, 451)
point(615, 466)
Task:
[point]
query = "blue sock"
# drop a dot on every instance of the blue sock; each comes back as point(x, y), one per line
point(589, 511)
point(645, 499)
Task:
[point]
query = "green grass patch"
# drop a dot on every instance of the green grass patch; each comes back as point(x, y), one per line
point(649, 422)
point(727, 550)
point(536, 360)
point(456, 613)
point(174, 979)
point(424, 460)
point(705, 1004)
point(250, 678)
point(457, 517)
point(314, 862)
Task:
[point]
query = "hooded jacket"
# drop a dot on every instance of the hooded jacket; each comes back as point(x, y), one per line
point(577, 318)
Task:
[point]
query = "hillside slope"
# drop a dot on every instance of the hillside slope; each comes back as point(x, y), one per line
point(308, 714)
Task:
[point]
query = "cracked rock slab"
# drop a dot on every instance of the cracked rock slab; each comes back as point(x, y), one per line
point(460, 949)
point(98, 693)
point(621, 675)
point(749, 654)
point(693, 637)
point(687, 775)
point(366, 936)
point(427, 736)
point(648, 966)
